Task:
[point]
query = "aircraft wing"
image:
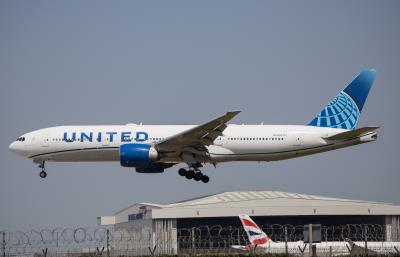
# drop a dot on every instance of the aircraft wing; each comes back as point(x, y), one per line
point(199, 136)
point(352, 133)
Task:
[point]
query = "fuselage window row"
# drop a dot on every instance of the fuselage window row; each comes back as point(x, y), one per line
point(259, 139)
point(156, 139)
point(78, 139)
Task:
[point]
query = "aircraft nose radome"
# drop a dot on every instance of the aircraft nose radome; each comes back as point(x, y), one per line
point(13, 147)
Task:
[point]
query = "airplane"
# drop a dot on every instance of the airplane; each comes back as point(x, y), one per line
point(256, 236)
point(258, 239)
point(262, 242)
point(154, 148)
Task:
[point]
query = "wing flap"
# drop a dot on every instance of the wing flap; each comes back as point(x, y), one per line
point(352, 133)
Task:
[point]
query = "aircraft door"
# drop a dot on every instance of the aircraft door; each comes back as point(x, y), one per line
point(297, 139)
point(218, 141)
point(29, 141)
point(45, 140)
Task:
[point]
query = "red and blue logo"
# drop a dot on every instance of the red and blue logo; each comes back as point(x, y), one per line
point(255, 234)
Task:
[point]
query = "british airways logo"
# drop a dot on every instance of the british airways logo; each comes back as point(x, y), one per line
point(109, 136)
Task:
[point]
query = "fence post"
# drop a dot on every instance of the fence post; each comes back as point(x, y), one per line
point(4, 244)
point(326, 235)
point(286, 239)
point(108, 242)
point(57, 240)
point(192, 239)
point(366, 240)
point(310, 239)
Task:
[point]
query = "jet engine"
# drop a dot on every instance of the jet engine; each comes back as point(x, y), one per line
point(137, 155)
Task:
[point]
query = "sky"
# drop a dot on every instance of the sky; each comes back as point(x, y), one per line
point(186, 62)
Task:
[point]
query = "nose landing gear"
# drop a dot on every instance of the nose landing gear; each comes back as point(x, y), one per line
point(197, 175)
point(43, 173)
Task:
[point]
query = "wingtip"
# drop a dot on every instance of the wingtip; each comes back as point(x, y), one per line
point(374, 127)
point(233, 112)
point(368, 70)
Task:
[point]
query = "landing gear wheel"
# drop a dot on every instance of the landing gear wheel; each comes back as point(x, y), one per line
point(205, 179)
point(182, 172)
point(194, 173)
point(43, 174)
point(198, 176)
point(190, 174)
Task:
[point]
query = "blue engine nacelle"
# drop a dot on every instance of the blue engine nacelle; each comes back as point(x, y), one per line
point(137, 155)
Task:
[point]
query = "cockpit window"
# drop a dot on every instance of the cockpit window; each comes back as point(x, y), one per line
point(21, 139)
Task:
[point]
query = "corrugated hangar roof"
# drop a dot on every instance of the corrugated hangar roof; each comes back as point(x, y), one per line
point(250, 195)
point(259, 203)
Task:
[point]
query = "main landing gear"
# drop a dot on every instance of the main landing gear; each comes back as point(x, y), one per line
point(43, 173)
point(197, 175)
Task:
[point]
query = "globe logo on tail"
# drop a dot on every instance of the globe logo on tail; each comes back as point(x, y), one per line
point(342, 112)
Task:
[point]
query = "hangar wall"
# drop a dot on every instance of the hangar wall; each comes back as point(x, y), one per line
point(392, 228)
point(143, 236)
point(166, 228)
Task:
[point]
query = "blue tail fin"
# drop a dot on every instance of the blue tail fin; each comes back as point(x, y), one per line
point(344, 111)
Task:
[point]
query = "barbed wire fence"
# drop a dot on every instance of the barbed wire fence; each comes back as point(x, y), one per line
point(109, 241)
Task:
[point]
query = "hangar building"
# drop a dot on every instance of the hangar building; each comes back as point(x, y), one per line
point(177, 226)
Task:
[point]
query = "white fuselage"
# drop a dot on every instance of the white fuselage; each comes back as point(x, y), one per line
point(238, 143)
point(329, 247)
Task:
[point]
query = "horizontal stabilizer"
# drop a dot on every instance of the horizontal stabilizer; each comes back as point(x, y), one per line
point(352, 133)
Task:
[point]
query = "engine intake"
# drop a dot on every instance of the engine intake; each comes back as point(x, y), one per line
point(137, 155)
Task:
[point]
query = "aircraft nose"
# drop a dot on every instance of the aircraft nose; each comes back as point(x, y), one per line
point(14, 147)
